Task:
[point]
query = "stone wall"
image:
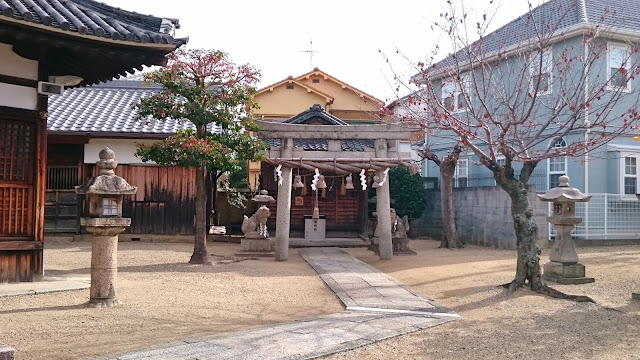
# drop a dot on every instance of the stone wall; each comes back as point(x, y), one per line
point(6, 352)
point(483, 217)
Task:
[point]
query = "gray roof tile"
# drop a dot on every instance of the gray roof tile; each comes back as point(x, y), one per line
point(619, 14)
point(92, 19)
point(106, 108)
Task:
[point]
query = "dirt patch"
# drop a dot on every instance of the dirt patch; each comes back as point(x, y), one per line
point(166, 300)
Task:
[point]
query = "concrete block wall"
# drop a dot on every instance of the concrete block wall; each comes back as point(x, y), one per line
point(6, 352)
point(483, 217)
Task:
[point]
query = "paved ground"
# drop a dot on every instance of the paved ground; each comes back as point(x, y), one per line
point(378, 307)
point(49, 284)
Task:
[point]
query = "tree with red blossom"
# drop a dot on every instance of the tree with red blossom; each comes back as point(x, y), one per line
point(207, 89)
point(532, 90)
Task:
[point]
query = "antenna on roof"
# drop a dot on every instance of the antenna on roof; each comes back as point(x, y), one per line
point(310, 52)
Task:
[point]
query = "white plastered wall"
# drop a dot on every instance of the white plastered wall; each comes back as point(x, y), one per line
point(11, 64)
point(123, 148)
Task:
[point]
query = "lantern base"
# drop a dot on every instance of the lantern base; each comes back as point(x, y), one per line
point(402, 246)
point(565, 274)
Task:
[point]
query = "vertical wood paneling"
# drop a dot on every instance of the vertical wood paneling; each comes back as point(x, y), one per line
point(164, 202)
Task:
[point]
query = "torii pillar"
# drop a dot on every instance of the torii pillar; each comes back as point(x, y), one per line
point(283, 214)
point(383, 208)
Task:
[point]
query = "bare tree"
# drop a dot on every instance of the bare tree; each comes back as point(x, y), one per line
point(548, 84)
point(447, 166)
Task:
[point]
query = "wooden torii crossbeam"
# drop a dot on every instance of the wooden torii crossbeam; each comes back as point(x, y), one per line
point(384, 154)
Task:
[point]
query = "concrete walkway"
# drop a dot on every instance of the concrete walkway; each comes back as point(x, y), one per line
point(378, 307)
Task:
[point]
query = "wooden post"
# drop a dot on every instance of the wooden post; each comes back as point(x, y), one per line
point(283, 212)
point(383, 208)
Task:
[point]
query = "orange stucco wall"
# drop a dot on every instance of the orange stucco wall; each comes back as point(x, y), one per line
point(287, 103)
point(345, 99)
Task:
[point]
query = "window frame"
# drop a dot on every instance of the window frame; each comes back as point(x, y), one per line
point(623, 175)
point(457, 91)
point(627, 49)
point(533, 66)
point(500, 160)
point(564, 163)
point(457, 175)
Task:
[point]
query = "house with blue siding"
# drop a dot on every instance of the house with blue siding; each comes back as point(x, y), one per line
point(583, 70)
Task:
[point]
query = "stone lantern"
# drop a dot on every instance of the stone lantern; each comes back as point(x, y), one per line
point(563, 266)
point(104, 194)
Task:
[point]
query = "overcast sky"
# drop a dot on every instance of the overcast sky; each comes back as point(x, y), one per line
point(347, 34)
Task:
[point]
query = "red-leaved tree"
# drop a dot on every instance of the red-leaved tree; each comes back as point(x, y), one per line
point(549, 84)
point(207, 89)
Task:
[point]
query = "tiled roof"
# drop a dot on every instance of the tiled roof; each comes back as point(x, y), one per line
point(322, 145)
point(316, 112)
point(313, 115)
point(88, 18)
point(106, 108)
point(621, 15)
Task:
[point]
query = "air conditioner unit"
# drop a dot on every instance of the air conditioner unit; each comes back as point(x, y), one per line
point(47, 88)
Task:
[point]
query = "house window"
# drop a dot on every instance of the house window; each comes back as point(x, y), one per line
point(502, 161)
point(618, 67)
point(557, 165)
point(462, 173)
point(315, 81)
point(454, 93)
point(541, 72)
point(630, 177)
point(289, 87)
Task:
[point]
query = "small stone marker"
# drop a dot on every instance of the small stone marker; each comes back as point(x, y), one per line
point(104, 195)
point(563, 266)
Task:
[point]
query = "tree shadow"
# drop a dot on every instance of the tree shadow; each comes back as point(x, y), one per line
point(50, 308)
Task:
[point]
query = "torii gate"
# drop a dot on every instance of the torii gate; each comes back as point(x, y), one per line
point(384, 155)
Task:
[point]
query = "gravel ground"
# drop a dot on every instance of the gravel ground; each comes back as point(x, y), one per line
point(526, 326)
point(166, 300)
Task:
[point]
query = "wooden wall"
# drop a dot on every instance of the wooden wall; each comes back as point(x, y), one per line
point(164, 203)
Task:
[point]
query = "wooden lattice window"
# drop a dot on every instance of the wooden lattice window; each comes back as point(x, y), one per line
point(16, 151)
point(16, 177)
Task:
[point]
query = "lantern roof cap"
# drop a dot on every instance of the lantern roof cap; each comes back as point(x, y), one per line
point(107, 183)
point(564, 193)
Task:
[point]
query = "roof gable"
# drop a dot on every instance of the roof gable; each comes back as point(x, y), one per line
point(291, 81)
point(324, 75)
point(315, 116)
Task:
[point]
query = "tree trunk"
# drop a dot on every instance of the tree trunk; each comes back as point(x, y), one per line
point(528, 264)
point(200, 254)
point(449, 233)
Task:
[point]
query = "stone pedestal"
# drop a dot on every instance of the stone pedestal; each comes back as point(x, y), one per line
point(635, 296)
point(104, 269)
point(104, 258)
point(566, 274)
point(402, 246)
point(7, 352)
point(563, 249)
point(256, 247)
